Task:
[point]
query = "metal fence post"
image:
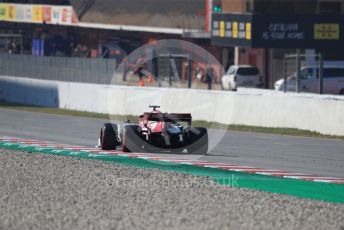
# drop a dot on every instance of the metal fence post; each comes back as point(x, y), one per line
point(298, 67)
point(285, 74)
point(321, 80)
point(107, 71)
point(189, 72)
point(169, 71)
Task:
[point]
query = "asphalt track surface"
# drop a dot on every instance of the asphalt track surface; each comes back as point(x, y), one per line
point(40, 191)
point(294, 154)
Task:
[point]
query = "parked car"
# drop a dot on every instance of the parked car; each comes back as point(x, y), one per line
point(333, 82)
point(241, 76)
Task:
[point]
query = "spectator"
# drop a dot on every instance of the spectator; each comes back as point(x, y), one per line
point(104, 51)
point(140, 71)
point(81, 51)
point(125, 65)
point(139, 68)
point(210, 76)
point(85, 52)
point(199, 73)
point(12, 47)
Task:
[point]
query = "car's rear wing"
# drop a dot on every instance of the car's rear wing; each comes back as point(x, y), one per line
point(169, 117)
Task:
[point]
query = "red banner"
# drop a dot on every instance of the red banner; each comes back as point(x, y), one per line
point(47, 14)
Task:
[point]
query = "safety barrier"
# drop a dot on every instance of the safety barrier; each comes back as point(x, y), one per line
point(320, 113)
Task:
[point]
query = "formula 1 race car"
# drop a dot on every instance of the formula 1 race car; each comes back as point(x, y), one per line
point(156, 132)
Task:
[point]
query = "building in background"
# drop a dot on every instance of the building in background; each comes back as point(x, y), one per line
point(256, 32)
point(107, 29)
point(263, 31)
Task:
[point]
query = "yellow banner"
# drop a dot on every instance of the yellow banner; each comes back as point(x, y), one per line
point(11, 12)
point(248, 31)
point(37, 14)
point(235, 30)
point(326, 31)
point(3, 11)
point(222, 29)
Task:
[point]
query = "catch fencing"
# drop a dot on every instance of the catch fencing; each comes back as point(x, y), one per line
point(102, 71)
point(68, 69)
point(297, 78)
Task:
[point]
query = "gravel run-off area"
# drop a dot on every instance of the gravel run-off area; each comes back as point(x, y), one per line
point(39, 191)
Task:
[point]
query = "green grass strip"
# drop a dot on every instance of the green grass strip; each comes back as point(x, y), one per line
point(299, 188)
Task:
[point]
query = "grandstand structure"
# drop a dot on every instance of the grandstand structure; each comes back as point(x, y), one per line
point(102, 28)
point(94, 22)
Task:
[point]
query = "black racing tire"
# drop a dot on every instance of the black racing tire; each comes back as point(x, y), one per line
point(198, 139)
point(341, 92)
point(131, 138)
point(108, 137)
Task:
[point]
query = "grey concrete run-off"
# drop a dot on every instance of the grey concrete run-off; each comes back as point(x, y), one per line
point(53, 192)
point(294, 154)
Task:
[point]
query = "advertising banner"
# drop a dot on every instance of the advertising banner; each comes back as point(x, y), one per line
point(66, 15)
point(11, 13)
point(46, 17)
point(37, 14)
point(274, 31)
point(55, 15)
point(326, 31)
point(3, 11)
point(27, 13)
point(20, 13)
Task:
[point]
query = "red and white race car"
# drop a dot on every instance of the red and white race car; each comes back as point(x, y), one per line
point(156, 132)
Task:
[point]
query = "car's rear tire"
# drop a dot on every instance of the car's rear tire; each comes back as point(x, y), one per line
point(108, 137)
point(131, 140)
point(198, 141)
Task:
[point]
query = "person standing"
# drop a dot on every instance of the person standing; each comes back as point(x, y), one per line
point(126, 68)
point(140, 73)
point(210, 76)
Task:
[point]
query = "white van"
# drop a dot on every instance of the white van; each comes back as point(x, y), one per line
point(333, 80)
point(241, 75)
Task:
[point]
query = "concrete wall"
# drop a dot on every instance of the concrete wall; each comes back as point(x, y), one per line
point(323, 114)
